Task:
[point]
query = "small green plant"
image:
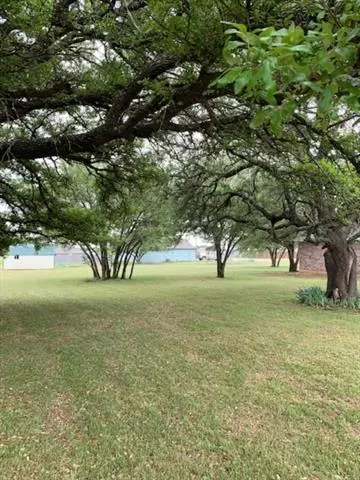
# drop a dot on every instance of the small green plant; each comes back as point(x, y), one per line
point(353, 303)
point(313, 296)
point(316, 297)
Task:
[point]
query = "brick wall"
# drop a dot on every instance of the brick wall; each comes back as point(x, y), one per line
point(312, 257)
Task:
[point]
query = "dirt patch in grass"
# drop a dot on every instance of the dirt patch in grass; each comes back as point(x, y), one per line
point(60, 422)
point(250, 421)
point(355, 432)
point(257, 378)
point(192, 357)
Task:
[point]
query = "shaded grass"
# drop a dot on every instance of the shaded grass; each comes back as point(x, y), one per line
point(175, 375)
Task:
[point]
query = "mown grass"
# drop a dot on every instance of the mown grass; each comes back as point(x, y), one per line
point(175, 375)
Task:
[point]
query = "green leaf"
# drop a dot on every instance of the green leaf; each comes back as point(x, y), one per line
point(355, 32)
point(232, 31)
point(260, 118)
point(233, 45)
point(229, 77)
point(266, 75)
point(283, 32)
point(267, 32)
point(304, 47)
point(276, 122)
point(239, 26)
point(241, 82)
point(326, 99)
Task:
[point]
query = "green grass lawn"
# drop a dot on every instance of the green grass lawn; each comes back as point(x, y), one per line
point(175, 375)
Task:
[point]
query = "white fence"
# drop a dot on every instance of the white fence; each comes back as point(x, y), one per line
point(29, 262)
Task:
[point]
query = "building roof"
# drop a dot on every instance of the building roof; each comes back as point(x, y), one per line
point(183, 245)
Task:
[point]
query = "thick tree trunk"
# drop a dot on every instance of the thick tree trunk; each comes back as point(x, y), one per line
point(220, 269)
point(293, 258)
point(341, 268)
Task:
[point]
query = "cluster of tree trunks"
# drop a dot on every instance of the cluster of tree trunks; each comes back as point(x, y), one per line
point(224, 247)
point(108, 264)
point(276, 255)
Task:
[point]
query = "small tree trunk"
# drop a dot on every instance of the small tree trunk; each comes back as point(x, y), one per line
point(273, 256)
point(105, 267)
point(341, 268)
point(293, 258)
point(119, 264)
point(92, 262)
point(125, 265)
point(280, 257)
point(133, 265)
point(95, 270)
point(117, 259)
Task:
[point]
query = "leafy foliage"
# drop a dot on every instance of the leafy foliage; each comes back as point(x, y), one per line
point(313, 296)
point(284, 68)
point(316, 297)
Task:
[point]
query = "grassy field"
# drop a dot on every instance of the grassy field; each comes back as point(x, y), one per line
point(175, 375)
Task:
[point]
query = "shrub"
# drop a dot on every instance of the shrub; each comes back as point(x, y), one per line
point(316, 297)
point(311, 296)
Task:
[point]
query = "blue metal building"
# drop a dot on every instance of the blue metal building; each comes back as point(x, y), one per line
point(183, 252)
point(29, 250)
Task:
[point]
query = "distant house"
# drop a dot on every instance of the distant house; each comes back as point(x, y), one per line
point(26, 257)
point(182, 252)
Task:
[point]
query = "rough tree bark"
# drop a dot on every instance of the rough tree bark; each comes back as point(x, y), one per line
point(341, 268)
